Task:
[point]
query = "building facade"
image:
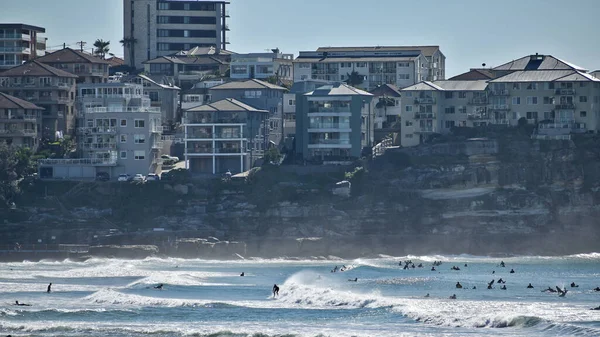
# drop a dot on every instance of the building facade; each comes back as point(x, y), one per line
point(289, 104)
point(20, 43)
point(261, 95)
point(164, 27)
point(222, 136)
point(162, 96)
point(400, 66)
point(19, 122)
point(88, 68)
point(47, 87)
point(119, 133)
point(262, 66)
point(333, 123)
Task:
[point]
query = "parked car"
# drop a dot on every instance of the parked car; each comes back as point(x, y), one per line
point(152, 177)
point(177, 175)
point(167, 157)
point(139, 177)
point(102, 176)
point(124, 177)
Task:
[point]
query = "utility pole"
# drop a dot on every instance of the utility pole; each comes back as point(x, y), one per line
point(81, 44)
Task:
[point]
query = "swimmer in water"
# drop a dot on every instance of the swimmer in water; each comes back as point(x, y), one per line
point(529, 286)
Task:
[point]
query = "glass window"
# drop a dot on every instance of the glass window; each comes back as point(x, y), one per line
point(123, 122)
point(582, 99)
point(123, 138)
point(123, 155)
point(516, 100)
point(139, 154)
point(408, 108)
point(139, 123)
point(139, 138)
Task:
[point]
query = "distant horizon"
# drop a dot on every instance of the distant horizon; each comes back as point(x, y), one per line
point(483, 33)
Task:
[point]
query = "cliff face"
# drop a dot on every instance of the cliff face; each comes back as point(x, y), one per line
point(478, 196)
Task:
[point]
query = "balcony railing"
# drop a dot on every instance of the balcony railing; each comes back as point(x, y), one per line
point(421, 115)
point(192, 150)
point(426, 129)
point(82, 161)
point(330, 141)
point(157, 145)
point(199, 135)
point(333, 109)
point(329, 126)
point(228, 150)
point(565, 91)
point(500, 107)
point(501, 92)
point(424, 100)
point(121, 109)
point(478, 101)
point(156, 128)
point(18, 132)
point(565, 106)
point(97, 130)
point(99, 146)
point(12, 49)
point(17, 119)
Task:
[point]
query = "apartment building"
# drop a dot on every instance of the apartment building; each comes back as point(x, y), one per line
point(156, 28)
point(19, 122)
point(262, 66)
point(400, 66)
point(261, 95)
point(163, 96)
point(88, 68)
point(47, 87)
point(20, 43)
point(387, 110)
point(289, 104)
point(333, 123)
point(222, 136)
point(119, 133)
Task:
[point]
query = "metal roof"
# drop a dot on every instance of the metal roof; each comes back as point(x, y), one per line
point(534, 76)
point(338, 89)
point(478, 85)
point(423, 86)
point(426, 50)
point(538, 62)
point(248, 84)
point(386, 90)
point(227, 104)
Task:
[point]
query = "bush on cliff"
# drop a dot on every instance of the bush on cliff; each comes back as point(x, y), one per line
point(15, 164)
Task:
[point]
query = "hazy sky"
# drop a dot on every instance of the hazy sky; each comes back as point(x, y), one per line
point(469, 32)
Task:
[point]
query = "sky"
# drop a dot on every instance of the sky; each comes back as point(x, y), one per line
point(469, 32)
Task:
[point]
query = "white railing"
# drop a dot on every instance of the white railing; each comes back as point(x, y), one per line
point(551, 137)
point(499, 107)
point(92, 130)
point(81, 161)
point(99, 146)
point(122, 109)
point(18, 132)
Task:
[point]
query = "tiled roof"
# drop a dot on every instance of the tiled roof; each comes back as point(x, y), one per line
point(338, 89)
point(227, 104)
point(544, 76)
point(35, 68)
point(68, 55)
point(12, 102)
point(538, 62)
point(248, 84)
point(386, 90)
point(426, 50)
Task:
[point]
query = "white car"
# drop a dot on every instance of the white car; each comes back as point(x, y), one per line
point(167, 157)
point(152, 177)
point(124, 177)
point(139, 177)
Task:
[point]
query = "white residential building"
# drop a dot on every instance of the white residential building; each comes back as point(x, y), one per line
point(262, 66)
point(400, 66)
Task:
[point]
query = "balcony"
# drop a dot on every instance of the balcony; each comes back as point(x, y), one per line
point(121, 109)
point(501, 92)
point(12, 49)
point(224, 150)
point(478, 116)
point(424, 100)
point(82, 162)
point(18, 133)
point(500, 122)
point(99, 146)
point(500, 107)
point(426, 129)
point(199, 150)
point(479, 101)
point(97, 130)
point(18, 119)
point(565, 92)
point(156, 129)
point(422, 115)
point(565, 106)
point(327, 110)
point(157, 145)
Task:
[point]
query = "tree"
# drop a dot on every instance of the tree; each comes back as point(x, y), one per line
point(13, 167)
point(102, 47)
point(129, 42)
point(354, 79)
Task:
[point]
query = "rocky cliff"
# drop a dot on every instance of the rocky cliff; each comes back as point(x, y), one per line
point(480, 196)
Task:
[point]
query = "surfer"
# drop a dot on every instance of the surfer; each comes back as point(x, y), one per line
point(596, 308)
point(453, 297)
point(502, 264)
point(573, 285)
point(22, 304)
point(355, 280)
point(512, 271)
point(561, 292)
point(275, 290)
point(501, 281)
point(549, 290)
point(465, 264)
point(428, 296)
point(159, 287)
point(432, 268)
point(529, 286)
point(49, 288)
point(420, 265)
point(503, 287)
point(242, 274)
point(474, 287)
point(597, 289)
point(490, 284)
point(458, 285)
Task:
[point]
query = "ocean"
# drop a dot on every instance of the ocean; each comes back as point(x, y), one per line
point(111, 297)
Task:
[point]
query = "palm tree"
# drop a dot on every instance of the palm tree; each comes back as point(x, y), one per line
point(354, 79)
point(101, 47)
point(129, 42)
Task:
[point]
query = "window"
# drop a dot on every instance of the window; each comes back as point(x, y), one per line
point(404, 76)
point(582, 99)
point(408, 123)
point(408, 135)
point(139, 123)
point(403, 64)
point(516, 86)
point(163, 46)
point(449, 124)
point(163, 33)
point(532, 86)
point(123, 155)
point(291, 102)
point(139, 139)
point(408, 108)
point(139, 155)
point(462, 94)
point(550, 85)
point(582, 84)
point(408, 94)
point(448, 94)
point(361, 64)
point(582, 114)
point(450, 110)
point(123, 138)
point(239, 69)
point(532, 115)
point(305, 65)
point(462, 109)
point(123, 122)
point(163, 5)
point(532, 100)
point(548, 114)
point(303, 77)
point(548, 100)
point(346, 64)
point(516, 100)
